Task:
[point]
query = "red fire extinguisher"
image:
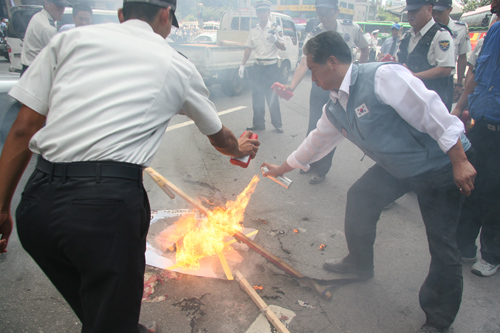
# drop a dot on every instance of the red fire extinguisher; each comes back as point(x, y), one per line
point(245, 160)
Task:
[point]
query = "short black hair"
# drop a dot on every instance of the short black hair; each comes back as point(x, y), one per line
point(140, 10)
point(81, 7)
point(326, 44)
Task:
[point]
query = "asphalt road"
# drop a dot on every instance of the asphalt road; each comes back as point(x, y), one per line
point(386, 303)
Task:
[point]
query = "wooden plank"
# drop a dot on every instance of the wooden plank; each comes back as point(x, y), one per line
point(270, 315)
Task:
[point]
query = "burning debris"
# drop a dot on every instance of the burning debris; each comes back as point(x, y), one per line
point(258, 288)
point(322, 247)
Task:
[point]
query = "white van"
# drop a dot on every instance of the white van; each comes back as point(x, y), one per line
point(20, 17)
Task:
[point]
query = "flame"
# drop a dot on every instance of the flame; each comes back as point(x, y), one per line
point(198, 239)
point(296, 231)
point(258, 287)
point(322, 247)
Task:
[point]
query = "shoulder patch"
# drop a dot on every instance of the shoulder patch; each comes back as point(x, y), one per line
point(347, 37)
point(454, 34)
point(316, 31)
point(347, 22)
point(444, 45)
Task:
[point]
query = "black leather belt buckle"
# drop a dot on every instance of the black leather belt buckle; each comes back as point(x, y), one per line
point(492, 127)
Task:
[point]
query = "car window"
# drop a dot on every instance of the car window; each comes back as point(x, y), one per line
point(289, 30)
point(19, 22)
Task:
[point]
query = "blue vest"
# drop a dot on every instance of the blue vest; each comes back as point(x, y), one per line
point(380, 132)
point(484, 102)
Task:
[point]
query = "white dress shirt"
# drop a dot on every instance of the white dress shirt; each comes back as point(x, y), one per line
point(38, 34)
point(105, 100)
point(418, 106)
point(461, 39)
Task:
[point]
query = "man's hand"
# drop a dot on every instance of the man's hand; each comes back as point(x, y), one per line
point(248, 146)
point(457, 92)
point(272, 38)
point(5, 230)
point(275, 170)
point(464, 175)
point(241, 71)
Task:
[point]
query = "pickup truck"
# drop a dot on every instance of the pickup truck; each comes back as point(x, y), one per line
point(219, 62)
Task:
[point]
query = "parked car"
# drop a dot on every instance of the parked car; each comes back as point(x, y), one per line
point(207, 37)
point(20, 17)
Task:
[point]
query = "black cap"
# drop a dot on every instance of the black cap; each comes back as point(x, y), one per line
point(327, 4)
point(416, 4)
point(442, 5)
point(160, 3)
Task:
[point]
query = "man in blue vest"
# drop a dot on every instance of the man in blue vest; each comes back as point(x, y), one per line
point(481, 211)
point(417, 146)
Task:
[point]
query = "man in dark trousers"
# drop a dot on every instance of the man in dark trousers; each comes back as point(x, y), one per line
point(481, 211)
point(428, 50)
point(417, 146)
point(85, 214)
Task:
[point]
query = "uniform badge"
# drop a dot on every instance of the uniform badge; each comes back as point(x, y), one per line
point(347, 37)
point(361, 110)
point(444, 45)
point(454, 34)
point(344, 132)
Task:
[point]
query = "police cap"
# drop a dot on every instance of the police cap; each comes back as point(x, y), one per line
point(262, 5)
point(327, 4)
point(159, 3)
point(416, 4)
point(442, 5)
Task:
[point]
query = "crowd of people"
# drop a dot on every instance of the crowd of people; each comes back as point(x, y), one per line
point(396, 110)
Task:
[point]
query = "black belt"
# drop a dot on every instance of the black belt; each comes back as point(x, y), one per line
point(97, 169)
point(491, 127)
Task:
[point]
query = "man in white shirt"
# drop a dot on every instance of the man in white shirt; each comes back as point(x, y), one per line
point(417, 146)
point(40, 30)
point(264, 41)
point(82, 16)
point(373, 46)
point(96, 110)
point(460, 33)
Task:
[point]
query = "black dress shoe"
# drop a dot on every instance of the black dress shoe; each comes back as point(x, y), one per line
point(280, 130)
point(256, 128)
point(316, 179)
point(346, 266)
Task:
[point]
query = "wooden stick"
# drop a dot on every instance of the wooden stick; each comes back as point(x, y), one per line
point(270, 315)
point(160, 181)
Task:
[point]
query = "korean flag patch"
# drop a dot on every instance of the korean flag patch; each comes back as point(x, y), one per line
point(361, 110)
point(444, 45)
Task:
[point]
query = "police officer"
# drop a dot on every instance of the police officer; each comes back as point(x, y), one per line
point(427, 49)
point(264, 40)
point(460, 33)
point(327, 11)
point(85, 214)
point(481, 211)
point(40, 30)
point(373, 46)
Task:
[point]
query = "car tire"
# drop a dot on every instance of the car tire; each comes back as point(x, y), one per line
point(285, 72)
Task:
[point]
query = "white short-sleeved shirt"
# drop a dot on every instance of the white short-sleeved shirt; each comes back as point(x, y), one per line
point(40, 30)
point(418, 106)
point(475, 53)
point(461, 38)
point(258, 41)
point(107, 101)
point(442, 49)
point(351, 31)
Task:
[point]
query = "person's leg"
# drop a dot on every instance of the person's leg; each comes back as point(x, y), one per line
point(365, 201)
point(100, 229)
point(440, 203)
point(317, 100)
point(272, 76)
point(258, 98)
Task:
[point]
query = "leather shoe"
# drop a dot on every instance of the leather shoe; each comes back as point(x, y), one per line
point(280, 130)
point(431, 329)
point(345, 266)
point(316, 179)
point(256, 128)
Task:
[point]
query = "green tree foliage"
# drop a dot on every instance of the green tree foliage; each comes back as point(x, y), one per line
point(471, 5)
point(383, 15)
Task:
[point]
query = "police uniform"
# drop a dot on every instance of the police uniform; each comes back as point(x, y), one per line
point(431, 47)
point(461, 38)
point(354, 37)
point(85, 214)
point(407, 136)
point(40, 30)
point(264, 74)
point(481, 211)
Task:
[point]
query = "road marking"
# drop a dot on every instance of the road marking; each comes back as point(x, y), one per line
point(190, 122)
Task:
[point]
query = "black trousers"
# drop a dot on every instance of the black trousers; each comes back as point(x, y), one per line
point(317, 100)
point(263, 77)
point(440, 202)
point(482, 208)
point(88, 235)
